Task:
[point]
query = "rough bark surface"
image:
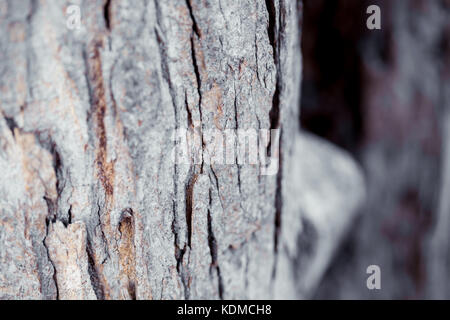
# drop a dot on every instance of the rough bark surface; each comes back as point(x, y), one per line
point(91, 204)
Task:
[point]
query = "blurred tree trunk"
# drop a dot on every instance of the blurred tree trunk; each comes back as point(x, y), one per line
point(93, 207)
point(396, 86)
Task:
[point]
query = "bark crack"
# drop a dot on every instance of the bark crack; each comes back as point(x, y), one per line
point(51, 262)
point(194, 22)
point(275, 29)
point(197, 73)
point(11, 123)
point(212, 242)
point(164, 60)
point(127, 251)
point(107, 14)
point(94, 275)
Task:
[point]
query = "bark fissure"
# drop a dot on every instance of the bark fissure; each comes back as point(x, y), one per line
point(162, 46)
point(194, 22)
point(197, 73)
point(271, 26)
point(107, 14)
point(127, 250)
point(212, 242)
point(274, 31)
point(188, 111)
point(189, 204)
point(11, 123)
point(105, 168)
point(50, 218)
point(51, 262)
point(94, 274)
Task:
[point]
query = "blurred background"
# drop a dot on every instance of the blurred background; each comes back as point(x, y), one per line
point(384, 95)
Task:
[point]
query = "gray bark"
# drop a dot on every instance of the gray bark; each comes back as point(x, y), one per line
point(91, 204)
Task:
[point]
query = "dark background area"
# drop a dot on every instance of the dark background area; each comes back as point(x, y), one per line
point(331, 87)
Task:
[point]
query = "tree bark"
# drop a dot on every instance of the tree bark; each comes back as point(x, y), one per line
point(92, 204)
point(397, 84)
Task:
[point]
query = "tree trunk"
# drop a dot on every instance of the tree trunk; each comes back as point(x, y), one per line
point(396, 83)
point(93, 205)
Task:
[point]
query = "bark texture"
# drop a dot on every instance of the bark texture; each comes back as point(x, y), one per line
point(91, 204)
